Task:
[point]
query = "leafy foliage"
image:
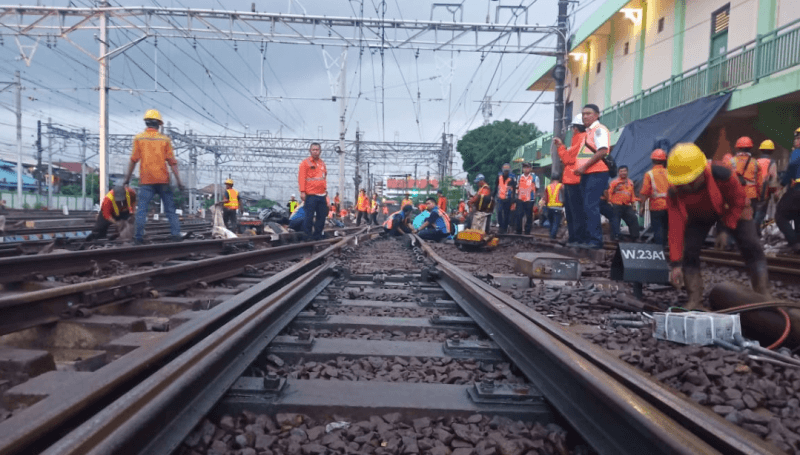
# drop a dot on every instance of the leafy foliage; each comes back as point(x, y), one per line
point(486, 148)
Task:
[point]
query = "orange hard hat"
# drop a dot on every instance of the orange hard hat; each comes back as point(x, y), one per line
point(658, 155)
point(744, 142)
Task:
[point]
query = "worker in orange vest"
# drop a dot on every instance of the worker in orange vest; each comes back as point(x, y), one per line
point(526, 197)
point(441, 202)
point(701, 194)
point(407, 201)
point(337, 202)
point(654, 189)
point(553, 200)
point(385, 208)
point(504, 191)
point(312, 179)
point(399, 223)
point(573, 198)
point(746, 168)
point(769, 186)
point(230, 205)
point(117, 208)
point(482, 205)
point(362, 207)
point(373, 209)
point(621, 196)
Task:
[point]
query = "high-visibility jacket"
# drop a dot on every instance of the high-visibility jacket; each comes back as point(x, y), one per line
point(390, 220)
point(526, 187)
point(292, 206)
point(569, 157)
point(769, 176)
point(442, 223)
point(442, 204)
point(385, 210)
point(422, 207)
point(111, 210)
point(554, 195)
point(620, 192)
point(655, 186)
point(373, 206)
point(312, 177)
point(505, 186)
point(462, 208)
point(750, 177)
point(406, 202)
point(363, 203)
point(336, 200)
point(233, 199)
point(483, 201)
point(597, 137)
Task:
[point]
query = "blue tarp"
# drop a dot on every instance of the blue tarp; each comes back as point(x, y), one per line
point(681, 124)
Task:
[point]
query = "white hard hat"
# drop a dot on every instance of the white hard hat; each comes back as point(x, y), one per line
point(578, 120)
point(294, 195)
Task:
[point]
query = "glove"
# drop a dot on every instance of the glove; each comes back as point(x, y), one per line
point(676, 277)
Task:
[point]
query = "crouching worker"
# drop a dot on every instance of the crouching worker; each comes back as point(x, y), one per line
point(297, 218)
point(437, 226)
point(115, 209)
point(398, 223)
point(701, 194)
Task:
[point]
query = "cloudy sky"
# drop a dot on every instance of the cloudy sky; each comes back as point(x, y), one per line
point(217, 87)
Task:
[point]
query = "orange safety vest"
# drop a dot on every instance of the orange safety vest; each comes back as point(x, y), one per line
point(388, 223)
point(747, 168)
point(621, 192)
point(554, 195)
point(585, 153)
point(768, 176)
point(527, 190)
point(233, 200)
point(363, 203)
point(442, 204)
point(462, 207)
point(373, 206)
point(406, 202)
point(385, 210)
point(659, 186)
point(110, 197)
point(502, 186)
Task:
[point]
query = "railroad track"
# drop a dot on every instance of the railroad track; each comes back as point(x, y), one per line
point(415, 354)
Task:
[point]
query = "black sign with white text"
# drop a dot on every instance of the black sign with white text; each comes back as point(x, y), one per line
point(640, 263)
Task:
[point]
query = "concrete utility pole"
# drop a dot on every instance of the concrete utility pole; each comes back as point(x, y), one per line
point(49, 165)
point(18, 81)
point(39, 156)
point(83, 168)
point(342, 126)
point(357, 176)
point(103, 101)
point(559, 73)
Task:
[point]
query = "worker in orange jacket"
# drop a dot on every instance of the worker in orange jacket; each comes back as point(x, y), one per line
point(701, 194)
point(312, 180)
point(746, 168)
point(573, 198)
point(769, 186)
point(362, 207)
point(116, 208)
point(441, 202)
point(374, 206)
point(622, 197)
point(654, 189)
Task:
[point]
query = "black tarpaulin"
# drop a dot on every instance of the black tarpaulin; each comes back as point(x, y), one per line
point(681, 124)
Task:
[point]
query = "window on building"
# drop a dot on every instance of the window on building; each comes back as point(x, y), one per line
point(576, 82)
point(719, 32)
point(626, 48)
point(598, 67)
point(661, 25)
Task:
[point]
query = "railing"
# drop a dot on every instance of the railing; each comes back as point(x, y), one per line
point(766, 55)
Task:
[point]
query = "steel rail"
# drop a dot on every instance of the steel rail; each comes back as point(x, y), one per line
point(194, 226)
point(38, 427)
point(614, 406)
point(23, 310)
point(24, 267)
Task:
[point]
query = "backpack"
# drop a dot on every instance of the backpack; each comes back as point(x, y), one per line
point(608, 160)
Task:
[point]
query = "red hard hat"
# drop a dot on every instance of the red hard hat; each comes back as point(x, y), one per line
point(658, 155)
point(744, 142)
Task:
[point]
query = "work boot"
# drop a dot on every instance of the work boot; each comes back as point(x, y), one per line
point(759, 279)
point(693, 282)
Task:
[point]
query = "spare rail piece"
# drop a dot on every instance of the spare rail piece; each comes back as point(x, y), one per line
point(23, 310)
point(22, 268)
point(34, 429)
point(614, 406)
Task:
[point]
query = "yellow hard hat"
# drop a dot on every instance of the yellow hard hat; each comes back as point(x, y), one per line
point(153, 114)
point(229, 182)
point(685, 163)
point(767, 145)
point(797, 132)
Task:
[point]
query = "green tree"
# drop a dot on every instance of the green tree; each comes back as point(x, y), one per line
point(92, 188)
point(486, 148)
point(264, 203)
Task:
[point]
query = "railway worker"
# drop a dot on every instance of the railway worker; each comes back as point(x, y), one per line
point(230, 205)
point(769, 176)
point(297, 219)
point(407, 201)
point(311, 178)
point(441, 202)
point(701, 194)
point(746, 168)
point(594, 176)
point(526, 197)
point(481, 205)
point(399, 222)
point(504, 190)
point(622, 197)
point(788, 209)
point(292, 204)
point(654, 188)
point(374, 206)
point(553, 200)
point(573, 199)
point(116, 208)
point(155, 151)
point(385, 209)
point(362, 207)
point(437, 226)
